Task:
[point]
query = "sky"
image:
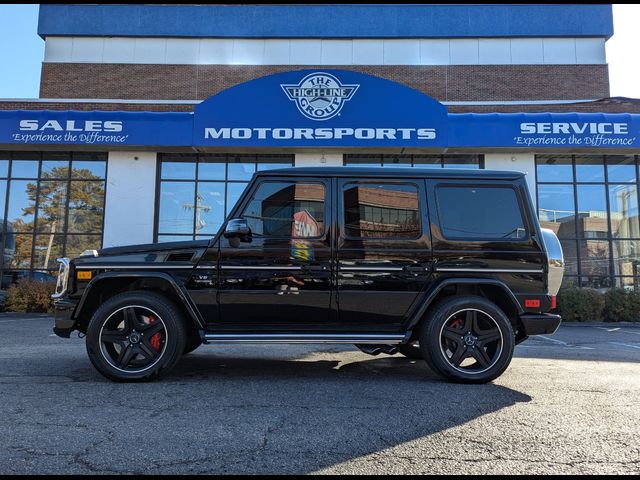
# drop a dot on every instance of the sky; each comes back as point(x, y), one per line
point(22, 51)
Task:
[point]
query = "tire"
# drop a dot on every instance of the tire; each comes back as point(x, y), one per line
point(467, 340)
point(411, 350)
point(135, 336)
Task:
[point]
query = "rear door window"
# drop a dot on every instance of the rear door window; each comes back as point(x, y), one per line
point(375, 210)
point(480, 213)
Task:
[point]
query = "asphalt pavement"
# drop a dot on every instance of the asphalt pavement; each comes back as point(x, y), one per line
point(569, 403)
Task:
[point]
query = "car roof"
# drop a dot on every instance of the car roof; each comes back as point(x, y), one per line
point(392, 172)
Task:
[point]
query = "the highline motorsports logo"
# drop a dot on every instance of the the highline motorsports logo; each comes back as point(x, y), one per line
point(320, 96)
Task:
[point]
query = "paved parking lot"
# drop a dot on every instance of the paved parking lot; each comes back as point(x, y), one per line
point(569, 403)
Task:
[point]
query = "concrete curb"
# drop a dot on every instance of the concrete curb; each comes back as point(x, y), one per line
point(601, 324)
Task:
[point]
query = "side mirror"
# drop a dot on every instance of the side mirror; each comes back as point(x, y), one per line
point(237, 230)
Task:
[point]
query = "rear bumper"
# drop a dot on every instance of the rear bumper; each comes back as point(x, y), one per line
point(64, 323)
point(540, 323)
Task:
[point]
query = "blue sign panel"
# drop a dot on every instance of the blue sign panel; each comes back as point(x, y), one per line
point(52, 127)
point(545, 130)
point(320, 108)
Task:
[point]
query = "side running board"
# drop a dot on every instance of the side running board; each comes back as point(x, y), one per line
point(305, 338)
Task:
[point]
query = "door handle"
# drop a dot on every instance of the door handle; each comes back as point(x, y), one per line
point(314, 268)
point(416, 268)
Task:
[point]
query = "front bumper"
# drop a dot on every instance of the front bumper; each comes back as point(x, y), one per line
point(64, 323)
point(540, 323)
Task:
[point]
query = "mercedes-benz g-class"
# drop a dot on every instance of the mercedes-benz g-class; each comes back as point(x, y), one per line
point(450, 266)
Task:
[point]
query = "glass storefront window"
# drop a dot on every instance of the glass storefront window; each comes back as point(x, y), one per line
point(52, 210)
point(601, 240)
point(554, 168)
point(418, 161)
point(623, 203)
point(197, 191)
point(589, 168)
point(177, 202)
point(556, 209)
point(570, 252)
point(593, 218)
point(626, 257)
point(621, 168)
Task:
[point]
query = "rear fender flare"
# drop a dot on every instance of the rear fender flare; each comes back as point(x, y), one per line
point(431, 294)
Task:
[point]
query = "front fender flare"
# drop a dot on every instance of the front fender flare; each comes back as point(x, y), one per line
point(179, 290)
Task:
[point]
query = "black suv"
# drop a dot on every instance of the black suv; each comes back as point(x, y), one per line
point(446, 265)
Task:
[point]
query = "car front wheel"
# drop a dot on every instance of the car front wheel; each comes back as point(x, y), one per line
point(467, 340)
point(135, 336)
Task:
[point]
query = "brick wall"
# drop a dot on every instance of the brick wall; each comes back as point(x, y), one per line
point(444, 83)
point(609, 105)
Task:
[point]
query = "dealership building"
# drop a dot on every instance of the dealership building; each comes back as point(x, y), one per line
point(151, 119)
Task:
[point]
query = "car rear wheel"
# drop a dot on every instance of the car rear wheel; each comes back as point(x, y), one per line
point(135, 336)
point(467, 340)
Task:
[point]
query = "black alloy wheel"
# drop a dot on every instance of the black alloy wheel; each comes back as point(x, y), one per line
point(134, 336)
point(471, 341)
point(467, 339)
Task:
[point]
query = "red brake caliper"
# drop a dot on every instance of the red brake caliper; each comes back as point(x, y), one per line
point(457, 323)
point(155, 339)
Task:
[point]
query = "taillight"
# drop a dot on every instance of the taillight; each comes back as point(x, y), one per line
point(532, 303)
point(553, 302)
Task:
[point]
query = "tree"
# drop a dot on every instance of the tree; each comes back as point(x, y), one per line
point(86, 200)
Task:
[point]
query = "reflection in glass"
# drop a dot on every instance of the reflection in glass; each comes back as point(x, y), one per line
point(210, 208)
point(86, 169)
point(76, 244)
point(626, 257)
point(52, 203)
point(379, 211)
point(270, 162)
point(212, 167)
point(621, 168)
point(569, 282)
point(86, 206)
point(178, 170)
point(623, 203)
point(22, 196)
point(234, 192)
point(427, 161)
point(594, 263)
point(21, 256)
point(47, 249)
point(363, 160)
point(570, 252)
point(461, 161)
point(55, 169)
point(396, 161)
point(3, 196)
point(628, 283)
point(241, 167)
point(24, 169)
point(554, 168)
point(589, 168)
point(286, 209)
point(592, 211)
point(174, 238)
point(556, 209)
point(4, 166)
point(272, 166)
point(176, 207)
point(480, 213)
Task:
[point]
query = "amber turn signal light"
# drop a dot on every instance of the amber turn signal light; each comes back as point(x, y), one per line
point(84, 275)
